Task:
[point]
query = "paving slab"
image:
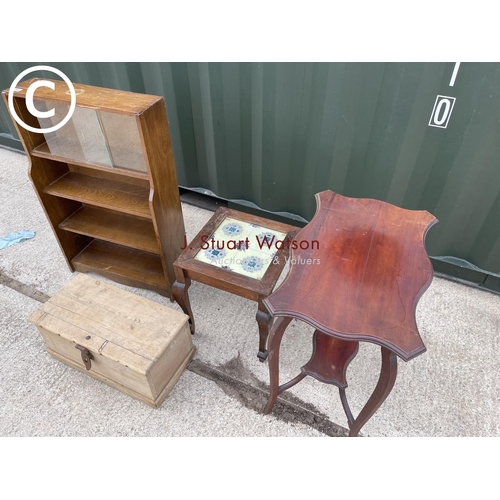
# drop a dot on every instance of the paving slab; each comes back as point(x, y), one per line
point(451, 390)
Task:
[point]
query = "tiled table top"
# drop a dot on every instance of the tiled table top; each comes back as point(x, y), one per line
point(244, 248)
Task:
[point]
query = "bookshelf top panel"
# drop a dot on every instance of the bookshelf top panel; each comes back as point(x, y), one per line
point(118, 101)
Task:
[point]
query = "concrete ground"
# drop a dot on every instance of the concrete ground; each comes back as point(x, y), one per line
point(451, 390)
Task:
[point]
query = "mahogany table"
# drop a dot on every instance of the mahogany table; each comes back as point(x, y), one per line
point(373, 268)
point(238, 253)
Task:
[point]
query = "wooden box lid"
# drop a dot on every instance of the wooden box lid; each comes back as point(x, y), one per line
point(120, 325)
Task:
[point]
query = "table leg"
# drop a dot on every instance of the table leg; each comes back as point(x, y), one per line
point(384, 386)
point(274, 342)
point(265, 321)
point(180, 293)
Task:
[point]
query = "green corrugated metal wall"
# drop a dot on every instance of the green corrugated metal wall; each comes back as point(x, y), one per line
point(271, 135)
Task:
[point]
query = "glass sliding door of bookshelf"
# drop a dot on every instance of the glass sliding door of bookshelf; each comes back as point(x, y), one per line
point(93, 136)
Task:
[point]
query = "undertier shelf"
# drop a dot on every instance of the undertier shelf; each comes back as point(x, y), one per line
point(119, 196)
point(125, 265)
point(113, 227)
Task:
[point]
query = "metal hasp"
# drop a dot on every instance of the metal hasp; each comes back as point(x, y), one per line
point(86, 356)
point(361, 285)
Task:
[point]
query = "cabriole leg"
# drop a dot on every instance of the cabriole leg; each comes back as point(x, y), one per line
point(180, 293)
point(274, 342)
point(265, 321)
point(385, 384)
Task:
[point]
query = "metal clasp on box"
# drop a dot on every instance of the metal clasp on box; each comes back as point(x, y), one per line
point(86, 356)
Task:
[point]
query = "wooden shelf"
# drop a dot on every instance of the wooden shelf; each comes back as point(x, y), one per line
point(125, 265)
point(125, 198)
point(95, 178)
point(43, 151)
point(115, 228)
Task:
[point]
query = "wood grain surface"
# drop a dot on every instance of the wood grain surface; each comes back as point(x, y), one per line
point(125, 265)
point(113, 227)
point(136, 345)
point(373, 269)
point(119, 196)
point(88, 96)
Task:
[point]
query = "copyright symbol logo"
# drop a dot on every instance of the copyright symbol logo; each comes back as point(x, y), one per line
point(30, 98)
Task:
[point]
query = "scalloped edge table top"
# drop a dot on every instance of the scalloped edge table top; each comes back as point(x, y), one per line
point(369, 272)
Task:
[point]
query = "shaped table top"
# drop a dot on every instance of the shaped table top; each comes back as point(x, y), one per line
point(358, 271)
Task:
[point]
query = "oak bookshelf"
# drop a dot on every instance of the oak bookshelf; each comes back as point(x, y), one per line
point(107, 181)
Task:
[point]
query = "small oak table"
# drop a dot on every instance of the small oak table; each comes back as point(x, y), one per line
point(238, 253)
point(373, 269)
